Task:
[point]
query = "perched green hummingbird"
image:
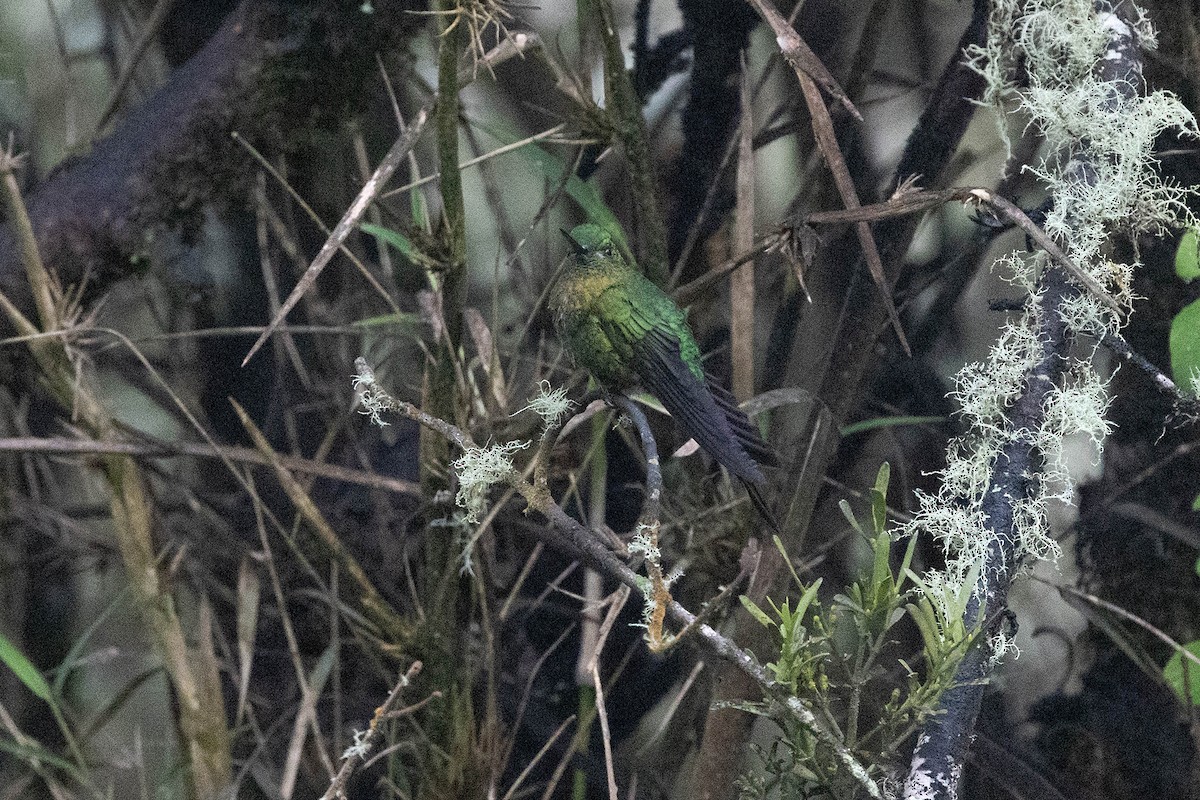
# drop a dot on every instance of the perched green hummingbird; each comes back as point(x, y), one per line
point(625, 331)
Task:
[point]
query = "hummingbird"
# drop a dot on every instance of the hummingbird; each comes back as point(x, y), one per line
point(627, 332)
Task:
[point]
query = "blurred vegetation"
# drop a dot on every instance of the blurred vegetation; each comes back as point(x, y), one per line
point(216, 570)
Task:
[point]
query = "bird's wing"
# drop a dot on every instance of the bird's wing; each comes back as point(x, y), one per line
point(745, 431)
point(656, 355)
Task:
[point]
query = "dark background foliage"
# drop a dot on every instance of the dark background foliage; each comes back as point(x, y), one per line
point(181, 239)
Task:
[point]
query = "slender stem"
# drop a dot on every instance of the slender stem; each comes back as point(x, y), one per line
point(626, 115)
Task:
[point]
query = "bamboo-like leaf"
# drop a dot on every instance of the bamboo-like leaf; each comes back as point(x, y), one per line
point(741, 281)
point(249, 593)
point(875, 423)
point(24, 669)
point(756, 612)
point(400, 242)
point(879, 498)
point(585, 194)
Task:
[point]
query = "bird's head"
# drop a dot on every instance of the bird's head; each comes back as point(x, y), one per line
point(593, 245)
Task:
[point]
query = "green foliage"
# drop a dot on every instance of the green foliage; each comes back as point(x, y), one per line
point(1183, 674)
point(585, 194)
point(1187, 256)
point(401, 243)
point(1185, 347)
point(839, 656)
point(24, 669)
point(1185, 327)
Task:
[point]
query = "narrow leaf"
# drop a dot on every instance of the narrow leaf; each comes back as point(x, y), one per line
point(24, 669)
point(249, 592)
point(756, 612)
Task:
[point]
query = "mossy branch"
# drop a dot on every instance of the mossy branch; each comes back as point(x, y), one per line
point(1079, 68)
point(581, 542)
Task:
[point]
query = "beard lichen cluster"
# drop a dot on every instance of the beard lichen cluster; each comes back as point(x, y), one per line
point(1059, 67)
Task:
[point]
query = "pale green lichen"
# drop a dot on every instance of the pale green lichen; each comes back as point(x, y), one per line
point(478, 469)
point(643, 544)
point(373, 399)
point(549, 404)
point(1100, 171)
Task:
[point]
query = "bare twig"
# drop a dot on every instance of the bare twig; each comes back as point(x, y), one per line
point(378, 608)
point(513, 45)
point(902, 204)
point(809, 72)
point(797, 52)
point(366, 740)
point(63, 446)
point(1121, 347)
point(349, 221)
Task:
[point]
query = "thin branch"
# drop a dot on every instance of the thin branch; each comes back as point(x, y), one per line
point(364, 742)
point(1121, 347)
point(904, 203)
point(65, 446)
point(349, 221)
point(512, 46)
point(145, 38)
point(591, 548)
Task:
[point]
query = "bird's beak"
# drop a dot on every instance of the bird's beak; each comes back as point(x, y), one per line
point(576, 248)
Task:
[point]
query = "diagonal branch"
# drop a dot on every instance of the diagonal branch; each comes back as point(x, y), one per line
point(591, 548)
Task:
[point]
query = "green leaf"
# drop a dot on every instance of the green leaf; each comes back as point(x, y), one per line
point(1196, 503)
point(585, 194)
point(806, 599)
point(926, 621)
point(848, 513)
point(1183, 674)
point(399, 241)
point(886, 422)
point(881, 574)
point(32, 752)
point(756, 612)
point(420, 210)
point(1185, 347)
point(783, 552)
point(879, 497)
point(1187, 257)
point(24, 669)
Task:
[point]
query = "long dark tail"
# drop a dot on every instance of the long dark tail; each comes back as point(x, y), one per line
point(760, 505)
point(708, 413)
